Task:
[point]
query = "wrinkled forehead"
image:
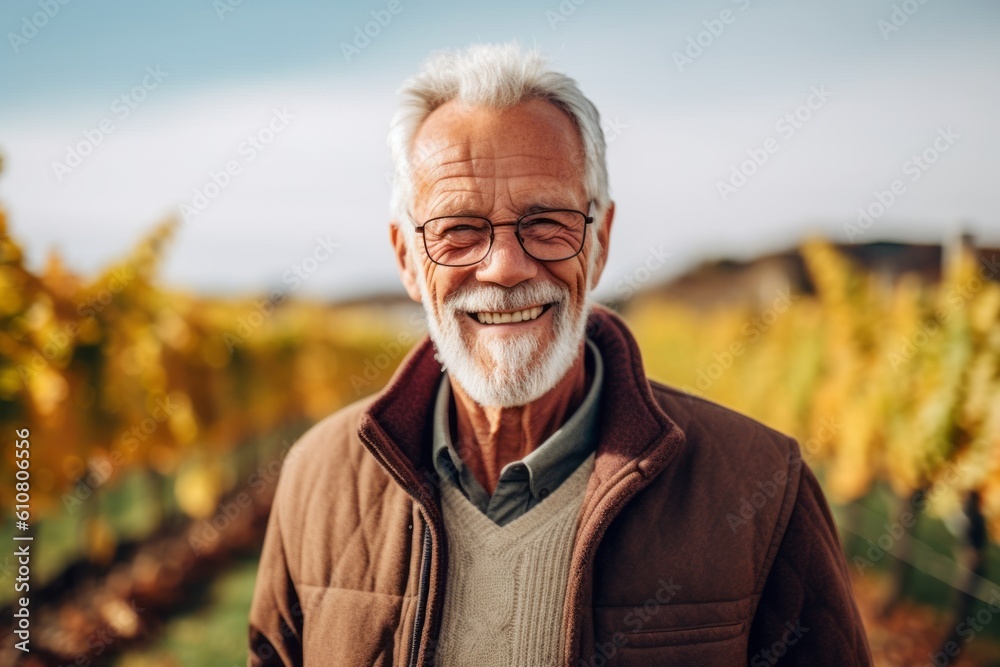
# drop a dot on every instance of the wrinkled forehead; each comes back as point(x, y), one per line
point(534, 144)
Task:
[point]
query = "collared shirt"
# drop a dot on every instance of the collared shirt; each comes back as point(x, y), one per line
point(525, 483)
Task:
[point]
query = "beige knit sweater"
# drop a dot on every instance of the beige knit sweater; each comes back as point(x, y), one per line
point(506, 585)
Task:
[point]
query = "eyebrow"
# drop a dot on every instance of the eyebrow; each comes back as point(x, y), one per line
point(537, 205)
point(465, 205)
point(542, 205)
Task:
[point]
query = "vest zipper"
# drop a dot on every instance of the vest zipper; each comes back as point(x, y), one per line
point(425, 570)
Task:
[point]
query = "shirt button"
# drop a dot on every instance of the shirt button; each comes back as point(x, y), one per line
point(543, 494)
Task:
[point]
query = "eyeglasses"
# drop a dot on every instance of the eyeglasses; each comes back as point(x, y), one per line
point(550, 235)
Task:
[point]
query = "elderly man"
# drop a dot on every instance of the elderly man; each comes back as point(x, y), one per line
point(521, 493)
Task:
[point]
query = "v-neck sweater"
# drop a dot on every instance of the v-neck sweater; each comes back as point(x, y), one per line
point(507, 584)
point(524, 483)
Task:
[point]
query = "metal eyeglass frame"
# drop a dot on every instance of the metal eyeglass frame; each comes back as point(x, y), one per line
point(587, 220)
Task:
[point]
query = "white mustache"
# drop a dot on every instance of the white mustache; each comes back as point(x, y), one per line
point(492, 298)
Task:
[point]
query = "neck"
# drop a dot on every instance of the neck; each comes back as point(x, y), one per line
point(488, 438)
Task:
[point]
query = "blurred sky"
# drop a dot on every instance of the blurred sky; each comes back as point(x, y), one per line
point(677, 130)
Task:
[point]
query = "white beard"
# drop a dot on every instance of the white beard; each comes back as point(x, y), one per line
point(506, 371)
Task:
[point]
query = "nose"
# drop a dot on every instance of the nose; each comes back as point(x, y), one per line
point(507, 264)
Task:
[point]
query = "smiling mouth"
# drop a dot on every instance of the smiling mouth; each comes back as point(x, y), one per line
point(525, 315)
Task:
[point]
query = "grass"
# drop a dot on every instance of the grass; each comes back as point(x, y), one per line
point(212, 628)
point(129, 508)
point(880, 507)
point(216, 634)
point(212, 636)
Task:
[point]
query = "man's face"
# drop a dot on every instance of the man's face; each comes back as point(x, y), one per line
point(499, 164)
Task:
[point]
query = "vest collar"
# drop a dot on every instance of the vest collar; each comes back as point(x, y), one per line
point(635, 433)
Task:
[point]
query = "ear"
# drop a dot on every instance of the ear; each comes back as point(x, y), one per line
point(604, 237)
point(404, 261)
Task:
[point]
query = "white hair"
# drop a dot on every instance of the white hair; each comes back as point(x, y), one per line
point(494, 76)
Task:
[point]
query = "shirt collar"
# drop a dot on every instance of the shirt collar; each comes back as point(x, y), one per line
point(549, 464)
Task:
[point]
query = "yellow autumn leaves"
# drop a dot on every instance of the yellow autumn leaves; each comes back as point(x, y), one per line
point(881, 378)
point(116, 373)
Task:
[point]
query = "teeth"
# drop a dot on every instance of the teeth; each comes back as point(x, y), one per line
point(506, 318)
